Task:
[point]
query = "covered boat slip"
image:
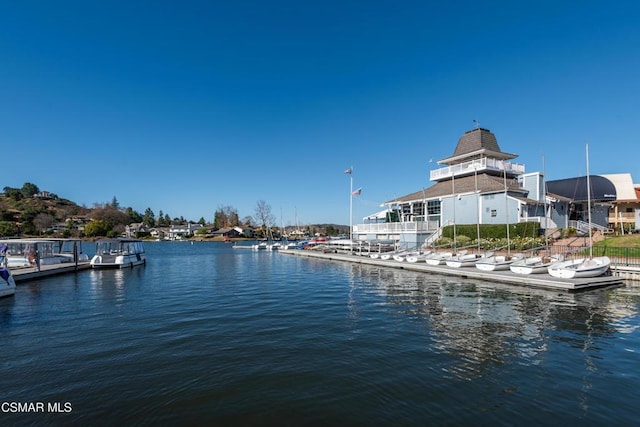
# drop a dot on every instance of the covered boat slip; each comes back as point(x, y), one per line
point(535, 281)
point(37, 258)
point(28, 252)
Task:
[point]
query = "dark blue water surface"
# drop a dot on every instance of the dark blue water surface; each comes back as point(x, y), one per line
point(205, 334)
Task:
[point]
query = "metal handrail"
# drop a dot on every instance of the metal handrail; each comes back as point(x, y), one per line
point(583, 226)
point(437, 234)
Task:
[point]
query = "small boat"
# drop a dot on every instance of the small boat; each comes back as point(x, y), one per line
point(260, 246)
point(401, 256)
point(388, 255)
point(287, 246)
point(118, 253)
point(282, 245)
point(7, 283)
point(417, 256)
point(535, 264)
point(466, 260)
point(380, 248)
point(497, 262)
point(439, 258)
point(581, 267)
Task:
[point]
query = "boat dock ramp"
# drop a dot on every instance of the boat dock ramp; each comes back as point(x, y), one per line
point(544, 281)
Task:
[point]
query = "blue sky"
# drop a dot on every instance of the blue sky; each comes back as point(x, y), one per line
point(188, 106)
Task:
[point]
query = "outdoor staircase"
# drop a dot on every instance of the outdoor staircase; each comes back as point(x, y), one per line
point(579, 241)
point(583, 227)
point(432, 239)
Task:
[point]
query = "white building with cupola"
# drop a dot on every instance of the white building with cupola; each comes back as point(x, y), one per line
point(481, 184)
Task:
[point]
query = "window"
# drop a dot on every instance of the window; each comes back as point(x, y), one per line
point(494, 212)
point(433, 207)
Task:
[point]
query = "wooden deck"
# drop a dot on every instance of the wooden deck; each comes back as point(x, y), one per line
point(32, 273)
point(544, 281)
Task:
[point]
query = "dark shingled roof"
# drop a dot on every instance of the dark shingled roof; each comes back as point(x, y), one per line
point(477, 143)
point(476, 139)
point(602, 189)
point(486, 184)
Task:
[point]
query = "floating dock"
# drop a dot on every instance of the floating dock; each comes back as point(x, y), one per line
point(38, 258)
point(544, 281)
point(32, 273)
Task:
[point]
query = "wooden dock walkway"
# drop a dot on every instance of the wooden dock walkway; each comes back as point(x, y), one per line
point(544, 281)
point(32, 273)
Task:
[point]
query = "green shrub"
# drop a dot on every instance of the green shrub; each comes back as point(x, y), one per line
point(463, 240)
point(444, 242)
point(494, 231)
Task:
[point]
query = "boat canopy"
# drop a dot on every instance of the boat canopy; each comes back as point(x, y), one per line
point(602, 189)
point(380, 216)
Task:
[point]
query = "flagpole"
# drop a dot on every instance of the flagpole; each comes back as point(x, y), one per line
point(351, 206)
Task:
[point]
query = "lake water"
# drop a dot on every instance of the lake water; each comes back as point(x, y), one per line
point(208, 335)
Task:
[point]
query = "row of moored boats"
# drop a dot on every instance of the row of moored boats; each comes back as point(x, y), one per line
point(274, 246)
point(555, 265)
point(36, 253)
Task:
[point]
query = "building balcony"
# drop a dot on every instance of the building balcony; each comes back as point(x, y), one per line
point(622, 218)
point(476, 166)
point(412, 227)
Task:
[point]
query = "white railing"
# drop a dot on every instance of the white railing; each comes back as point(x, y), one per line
point(622, 217)
point(478, 165)
point(583, 227)
point(397, 227)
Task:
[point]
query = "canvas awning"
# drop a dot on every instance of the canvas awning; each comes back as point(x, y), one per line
point(377, 216)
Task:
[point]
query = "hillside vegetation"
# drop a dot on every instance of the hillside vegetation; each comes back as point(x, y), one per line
point(30, 215)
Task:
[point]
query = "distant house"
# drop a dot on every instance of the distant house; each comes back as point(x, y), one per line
point(132, 230)
point(45, 195)
point(230, 232)
point(78, 222)
point(182, 231)
point(71, 223)
point(248, 232)
point(297, 234)
point(59, 227)
point(160, 233)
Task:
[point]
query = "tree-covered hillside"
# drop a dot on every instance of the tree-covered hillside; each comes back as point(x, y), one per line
point(28, 211)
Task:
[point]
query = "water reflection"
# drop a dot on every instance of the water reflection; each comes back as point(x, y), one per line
point(486, 324)
point(111, 283)
point(6, 310)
